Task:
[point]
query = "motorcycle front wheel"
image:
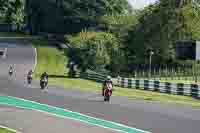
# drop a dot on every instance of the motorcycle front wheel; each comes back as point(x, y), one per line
point(29, 81)
point(10, 73)
point(107, 98)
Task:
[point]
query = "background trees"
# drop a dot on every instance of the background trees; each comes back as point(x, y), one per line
point(120, 37)
point(159, 27)
point(67, 16)
point(12, 12)
point(97, 51)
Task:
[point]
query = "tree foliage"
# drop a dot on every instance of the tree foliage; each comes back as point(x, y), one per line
point(97, 50)
point(12, 12)
point(127, 37)
point(62, 15)
point(119, 24)
point(158, 28)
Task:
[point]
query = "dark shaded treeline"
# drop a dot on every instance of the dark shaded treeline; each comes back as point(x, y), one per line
point(69, 16)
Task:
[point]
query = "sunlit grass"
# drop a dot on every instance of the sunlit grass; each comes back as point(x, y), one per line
point(3, 130)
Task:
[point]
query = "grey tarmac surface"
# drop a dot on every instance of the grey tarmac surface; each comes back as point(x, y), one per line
point(149, 116)
point(29, 121)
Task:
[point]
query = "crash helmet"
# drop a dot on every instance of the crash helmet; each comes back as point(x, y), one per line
point(108, 78)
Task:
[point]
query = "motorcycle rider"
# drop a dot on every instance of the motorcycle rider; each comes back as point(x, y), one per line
point(29, 75)
point(11, 70)
point(107, 85)
point(44, 75)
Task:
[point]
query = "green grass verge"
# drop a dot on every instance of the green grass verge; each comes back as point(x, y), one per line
point(53, 61)
point(13, 34)
point(3, 130)
point(188, 80)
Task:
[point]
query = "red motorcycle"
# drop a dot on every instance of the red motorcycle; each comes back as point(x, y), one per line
point(107, 93)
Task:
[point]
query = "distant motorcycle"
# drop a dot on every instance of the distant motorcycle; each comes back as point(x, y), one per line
point(29, 79)
point(43, 83)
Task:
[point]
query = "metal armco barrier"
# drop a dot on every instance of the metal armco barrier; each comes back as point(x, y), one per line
point(163, 87)
point(92, 76)
point(151, 85)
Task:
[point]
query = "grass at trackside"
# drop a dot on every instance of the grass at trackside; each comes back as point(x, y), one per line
point(3, 130)
point(49, 59)
point(54, 61)
point(13, 34)
point(188, 80)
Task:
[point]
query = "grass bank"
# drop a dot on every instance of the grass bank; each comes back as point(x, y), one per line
point(13, 34)
point(54, 61)
point(192, 81)
point(188, 80)
point(4, 130)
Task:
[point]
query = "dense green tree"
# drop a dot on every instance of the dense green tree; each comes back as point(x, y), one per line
point(97, 50)
point(70, 15)
point(158, 28)
point(12, 12)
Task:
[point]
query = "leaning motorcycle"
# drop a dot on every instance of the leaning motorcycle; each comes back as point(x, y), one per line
point(43, 83)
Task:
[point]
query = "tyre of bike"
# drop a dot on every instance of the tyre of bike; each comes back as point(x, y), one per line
point(42, 85)
point(10, 73)
point(107, 95)
point(29, 79)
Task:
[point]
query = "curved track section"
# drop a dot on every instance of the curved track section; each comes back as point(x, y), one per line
point(28, 121)
point(21, 57)
point(150, 116)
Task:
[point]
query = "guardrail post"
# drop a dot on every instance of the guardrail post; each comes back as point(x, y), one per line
point(130, 83)
point(198, 92)
point(146, 84)
point(122, 82)
point(168, 87)
point(137, 84)
point(126, 82)
point(156, 85)
point(180, 89)
point(194, 90)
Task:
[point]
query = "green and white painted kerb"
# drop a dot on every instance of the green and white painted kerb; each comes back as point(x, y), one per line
point(22, 103)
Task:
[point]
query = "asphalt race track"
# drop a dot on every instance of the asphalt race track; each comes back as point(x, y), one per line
point(149, 116)
point(28, 121)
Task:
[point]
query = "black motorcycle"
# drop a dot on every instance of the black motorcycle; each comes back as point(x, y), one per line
point(43, 83)
point(29, 79)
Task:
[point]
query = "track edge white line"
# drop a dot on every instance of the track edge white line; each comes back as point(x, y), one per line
point(10, 129)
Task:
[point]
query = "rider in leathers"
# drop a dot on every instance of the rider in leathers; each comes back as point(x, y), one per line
point(107, 81)
point(30, 73)
point(11, 69)
point(44, 75)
